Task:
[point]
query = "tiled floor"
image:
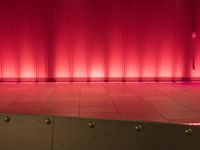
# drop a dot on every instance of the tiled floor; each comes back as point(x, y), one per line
point(163, 102)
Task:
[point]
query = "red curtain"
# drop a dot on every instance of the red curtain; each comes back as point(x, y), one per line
point(99, 40)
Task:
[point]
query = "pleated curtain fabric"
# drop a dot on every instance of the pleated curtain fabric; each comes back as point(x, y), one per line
point(99, 40)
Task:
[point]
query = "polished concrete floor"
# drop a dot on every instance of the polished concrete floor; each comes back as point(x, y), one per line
point(162, 102)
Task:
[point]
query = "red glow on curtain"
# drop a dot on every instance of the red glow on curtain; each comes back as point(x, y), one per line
point(99, 40)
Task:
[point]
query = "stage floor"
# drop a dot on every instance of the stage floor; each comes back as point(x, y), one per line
point(160, 102)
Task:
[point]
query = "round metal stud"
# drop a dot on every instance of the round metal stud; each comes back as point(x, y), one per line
point(138, 128)
point(91, 124)
point(6, 119)
point(48, 121)
point(188, 131)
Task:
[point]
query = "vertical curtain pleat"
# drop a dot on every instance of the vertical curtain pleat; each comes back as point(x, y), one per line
point(99, 40)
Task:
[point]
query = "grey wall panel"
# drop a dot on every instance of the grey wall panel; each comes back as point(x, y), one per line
point(25, 132)
point(35, 132)
point(71, 134)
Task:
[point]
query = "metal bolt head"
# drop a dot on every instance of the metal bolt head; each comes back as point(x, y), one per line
point(48, 121)
point(91, 124)
point(188, 131)
point(6, 119)
point(138, 128)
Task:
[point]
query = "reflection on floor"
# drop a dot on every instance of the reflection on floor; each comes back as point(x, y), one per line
point(162, 102)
